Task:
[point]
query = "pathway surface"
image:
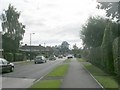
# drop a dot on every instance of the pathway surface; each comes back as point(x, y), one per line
point(78, 77)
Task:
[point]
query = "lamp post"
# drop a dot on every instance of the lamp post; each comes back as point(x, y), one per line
point(30, 44)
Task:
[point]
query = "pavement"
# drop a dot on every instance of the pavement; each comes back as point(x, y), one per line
point(78, 77)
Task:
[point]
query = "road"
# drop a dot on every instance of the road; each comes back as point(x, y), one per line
point(26, 73)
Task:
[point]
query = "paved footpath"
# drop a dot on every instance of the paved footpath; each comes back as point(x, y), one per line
point(78, 77)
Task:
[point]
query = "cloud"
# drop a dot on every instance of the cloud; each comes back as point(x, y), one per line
point(53, 21)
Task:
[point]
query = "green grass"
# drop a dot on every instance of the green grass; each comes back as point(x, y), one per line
point(94, 70)
point(47, 84)
point(59, 70)
point(81, 60)
point(106, 80)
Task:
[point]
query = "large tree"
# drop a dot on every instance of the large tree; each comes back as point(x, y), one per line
point(112, 9)
point(13, 30)
point(92, 32)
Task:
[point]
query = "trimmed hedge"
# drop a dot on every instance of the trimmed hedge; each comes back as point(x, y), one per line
point(18, 57)
point(9, 57)
point(116, 52)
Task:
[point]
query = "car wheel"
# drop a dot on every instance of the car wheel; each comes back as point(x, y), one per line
point(12, 69)
point(35, 62)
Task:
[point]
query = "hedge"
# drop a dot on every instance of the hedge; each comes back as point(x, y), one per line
point(18, 57)
point(9, 56)
point(116, 52)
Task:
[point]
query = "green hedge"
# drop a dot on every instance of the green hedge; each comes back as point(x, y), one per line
point(116, 52)
point(9, 57)
point(107, 57)
point(18, 57)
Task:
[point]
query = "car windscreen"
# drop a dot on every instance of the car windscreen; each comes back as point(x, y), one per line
point(38, 57)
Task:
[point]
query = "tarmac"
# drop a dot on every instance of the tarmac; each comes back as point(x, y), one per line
point(78, 77)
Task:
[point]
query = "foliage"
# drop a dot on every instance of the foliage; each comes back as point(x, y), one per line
point(8, 56)
point(107, 49)
point(92, 33)
point(112, 9)
point(116, 52)
point(13, 30)
point(64, 47)
point(18, 57)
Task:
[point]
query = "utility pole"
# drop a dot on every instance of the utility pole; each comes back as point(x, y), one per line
point(30, 44)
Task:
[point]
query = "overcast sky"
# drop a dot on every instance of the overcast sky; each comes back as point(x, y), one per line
point(53, 21)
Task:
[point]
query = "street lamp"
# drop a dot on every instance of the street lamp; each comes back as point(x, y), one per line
point(30, 44)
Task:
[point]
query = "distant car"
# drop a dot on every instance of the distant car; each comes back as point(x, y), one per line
point(52, 57)
point(6, 66)
point(70, 56)
point(60, 56)
point(40, 59)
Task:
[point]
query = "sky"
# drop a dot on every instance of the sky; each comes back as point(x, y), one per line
point(53, 21)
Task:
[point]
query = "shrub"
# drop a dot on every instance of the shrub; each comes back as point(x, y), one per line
point(18, 57)
point(8, 56)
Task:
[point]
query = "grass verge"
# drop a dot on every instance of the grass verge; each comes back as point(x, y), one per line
point(47, 84)
point(81, 60)
point(106, 80)
point(59, 70)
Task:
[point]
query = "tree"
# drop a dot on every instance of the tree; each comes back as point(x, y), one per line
point(112, 9)
point(76, 51)
point(107, 49)
point(64, 48)
point(92, 32)
point(13, 29)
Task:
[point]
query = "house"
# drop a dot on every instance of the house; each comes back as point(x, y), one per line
point(35, 50)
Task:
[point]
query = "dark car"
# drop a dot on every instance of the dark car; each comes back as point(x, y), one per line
point(52, 57)
point(6, 66)
point(40, 59)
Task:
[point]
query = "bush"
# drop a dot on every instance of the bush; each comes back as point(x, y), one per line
point(107, 57)
point(8, 56)
point(18, 57)
point(116, 55)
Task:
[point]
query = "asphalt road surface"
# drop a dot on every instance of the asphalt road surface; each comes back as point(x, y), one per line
point(26, 73)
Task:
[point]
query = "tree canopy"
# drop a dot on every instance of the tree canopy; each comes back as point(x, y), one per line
point(13, 30)
point(92, 32)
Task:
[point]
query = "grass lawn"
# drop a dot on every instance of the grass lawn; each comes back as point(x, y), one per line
point(47, 84)
point(81, 60)
point(106, 80)
point(59, 70)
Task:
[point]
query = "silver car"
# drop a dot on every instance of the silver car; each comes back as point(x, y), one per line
point(6, 66)
point(40, 59)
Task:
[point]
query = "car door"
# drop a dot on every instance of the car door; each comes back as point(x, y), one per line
point(5, 65)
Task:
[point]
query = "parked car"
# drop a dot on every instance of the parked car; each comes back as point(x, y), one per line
point(40, 59)
point(60, 56)
point(52, 57)
point(6, 66)
point(70, 56)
